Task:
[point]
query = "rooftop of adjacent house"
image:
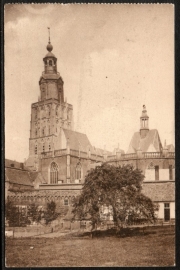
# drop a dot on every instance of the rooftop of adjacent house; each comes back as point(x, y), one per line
point(162, 191)
point(16, 173)
point(150, 143)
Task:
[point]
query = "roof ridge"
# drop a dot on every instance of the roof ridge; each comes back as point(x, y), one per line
point(74, 131)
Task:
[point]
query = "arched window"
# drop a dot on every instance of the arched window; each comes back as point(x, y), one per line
point(78, 171)
point(66, 201)
point(43, 147)
point(49, 147)
point(35, 149)
point(50, 62)
point(43, 131)
point(54, 173)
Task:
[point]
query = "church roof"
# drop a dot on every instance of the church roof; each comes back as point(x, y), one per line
point(77, 140)
point(150, 143)
point(80, 141)
point(162, 192)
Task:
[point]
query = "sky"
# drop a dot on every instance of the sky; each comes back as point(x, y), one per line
point(113, 58)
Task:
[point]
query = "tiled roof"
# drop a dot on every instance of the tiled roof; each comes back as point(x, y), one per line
point(78, 140)
point(18, 176)
point(162, 191)
point(151, 139)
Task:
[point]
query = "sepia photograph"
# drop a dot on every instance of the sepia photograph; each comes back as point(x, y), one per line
point(89, 135)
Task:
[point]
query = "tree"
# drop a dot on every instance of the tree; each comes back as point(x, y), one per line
point(15, 216)
point(34, 213)
point(119, 187)
point(50, 213)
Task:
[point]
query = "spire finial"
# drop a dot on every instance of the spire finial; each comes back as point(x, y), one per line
point(49, 35)
point(49, 46)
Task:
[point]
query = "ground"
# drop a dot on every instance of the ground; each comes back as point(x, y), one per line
point(153, 247)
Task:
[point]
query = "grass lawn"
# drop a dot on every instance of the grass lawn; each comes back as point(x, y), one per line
point(154, 247)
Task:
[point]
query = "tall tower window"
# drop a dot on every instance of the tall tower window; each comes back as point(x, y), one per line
point(43, 148)
point(50, 62)
point(43, 132)
point(54, 173)
point(156, 173)
point(49, 147)
point(78, 171)
point(35, 150)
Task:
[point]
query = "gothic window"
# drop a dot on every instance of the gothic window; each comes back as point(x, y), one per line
point(54, 173)
point(35, 149)
point(78, 171)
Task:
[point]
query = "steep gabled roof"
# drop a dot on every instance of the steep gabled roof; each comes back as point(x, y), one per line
point(80, 141)
point(162, 191)
point(77, 140)
point(151, 141)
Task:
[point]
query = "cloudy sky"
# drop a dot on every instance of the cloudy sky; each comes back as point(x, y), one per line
point(113, 60)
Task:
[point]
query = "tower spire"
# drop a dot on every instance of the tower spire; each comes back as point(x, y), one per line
point(49, 46)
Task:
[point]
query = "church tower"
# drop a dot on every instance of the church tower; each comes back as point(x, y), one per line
point(50, 114)
point(144, 123)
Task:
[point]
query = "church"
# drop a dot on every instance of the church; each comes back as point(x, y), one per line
point(60, 157)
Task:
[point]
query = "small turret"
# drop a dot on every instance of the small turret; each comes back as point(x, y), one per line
point(144, 125)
